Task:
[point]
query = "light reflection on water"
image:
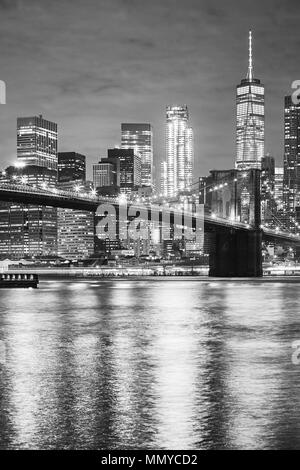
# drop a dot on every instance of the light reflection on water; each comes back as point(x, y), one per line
point(177, 364)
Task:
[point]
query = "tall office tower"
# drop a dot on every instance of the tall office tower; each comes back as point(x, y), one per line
point(291, 180)
point(76, 228)
point(278, 187)
point(70, 166)
point(250, 123)
point(75, 234)
point(164, 179)
point(27, 230)
point(106, 176)
point(37, 142)
point(139, 137)
point(179, 149)
point(130, 169)
point(268, 205)
point(103, 174)
point(189, 158)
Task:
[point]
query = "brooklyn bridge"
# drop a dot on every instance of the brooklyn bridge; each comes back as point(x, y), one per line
point(234, 240)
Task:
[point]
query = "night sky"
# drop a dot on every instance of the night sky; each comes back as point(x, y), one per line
point(91, 64)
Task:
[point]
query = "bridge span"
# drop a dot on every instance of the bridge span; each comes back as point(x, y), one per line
point(235, 246)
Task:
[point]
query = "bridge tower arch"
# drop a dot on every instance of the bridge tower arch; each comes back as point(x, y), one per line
point(237, 252)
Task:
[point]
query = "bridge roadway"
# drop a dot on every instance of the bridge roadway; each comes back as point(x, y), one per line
point(25, 194)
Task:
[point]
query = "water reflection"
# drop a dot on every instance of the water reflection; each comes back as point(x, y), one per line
point(150, 364)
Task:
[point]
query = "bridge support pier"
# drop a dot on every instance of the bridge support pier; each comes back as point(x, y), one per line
point(236, 253)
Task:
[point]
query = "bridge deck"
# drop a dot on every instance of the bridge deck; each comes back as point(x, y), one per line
point(24, 194)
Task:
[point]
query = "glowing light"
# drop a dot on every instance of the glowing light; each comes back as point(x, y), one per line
point(122, 198)
point(24, 179)
point(19, 164)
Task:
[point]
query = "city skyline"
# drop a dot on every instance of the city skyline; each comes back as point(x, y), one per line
point(95, 100)
point(149, 228)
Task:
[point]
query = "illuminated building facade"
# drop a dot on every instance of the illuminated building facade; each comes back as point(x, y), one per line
point(164, 179)
point(71, 166)
point(250, 131)
point(278, 187)
point(139, 137)
point(27, 230)
point(268, 205)
point(179, 150)
point(291, 179)
point(103, 174)
point(37, 142)
point(106, 176)
point(75, 237)
point(130, 169)
point(75, 234)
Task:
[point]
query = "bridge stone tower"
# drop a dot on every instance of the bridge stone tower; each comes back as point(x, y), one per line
point(237, 251)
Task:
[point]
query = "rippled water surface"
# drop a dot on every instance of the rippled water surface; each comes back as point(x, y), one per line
point(175, 364)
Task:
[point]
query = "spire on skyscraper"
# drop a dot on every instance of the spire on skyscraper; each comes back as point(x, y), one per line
point(250, 119)
point(250, 66)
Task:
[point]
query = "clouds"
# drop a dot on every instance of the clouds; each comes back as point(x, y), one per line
point(90, 64)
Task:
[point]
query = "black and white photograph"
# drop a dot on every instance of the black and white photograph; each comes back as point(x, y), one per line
point(149, 228)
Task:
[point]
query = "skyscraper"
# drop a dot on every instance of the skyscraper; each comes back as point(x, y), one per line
point(71, 166)
point(164, 179)
point(103, 174)
point(130, 168)
point(139, 137)
point(268, 205)
point(291, 186)
point(37, 142)
point(106, 175)
point(28, 230)
point(179, 149)
point(75, 234)
point(278, 187)
point(250, 130)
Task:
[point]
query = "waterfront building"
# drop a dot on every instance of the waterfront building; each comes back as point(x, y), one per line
point(27, 230)
point(75, 233)
point(291, 183)
point(250, 120)
point(139, 137)
point(179, 150)
point(75, 227)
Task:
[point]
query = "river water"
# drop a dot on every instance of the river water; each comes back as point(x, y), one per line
point(152, 364)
